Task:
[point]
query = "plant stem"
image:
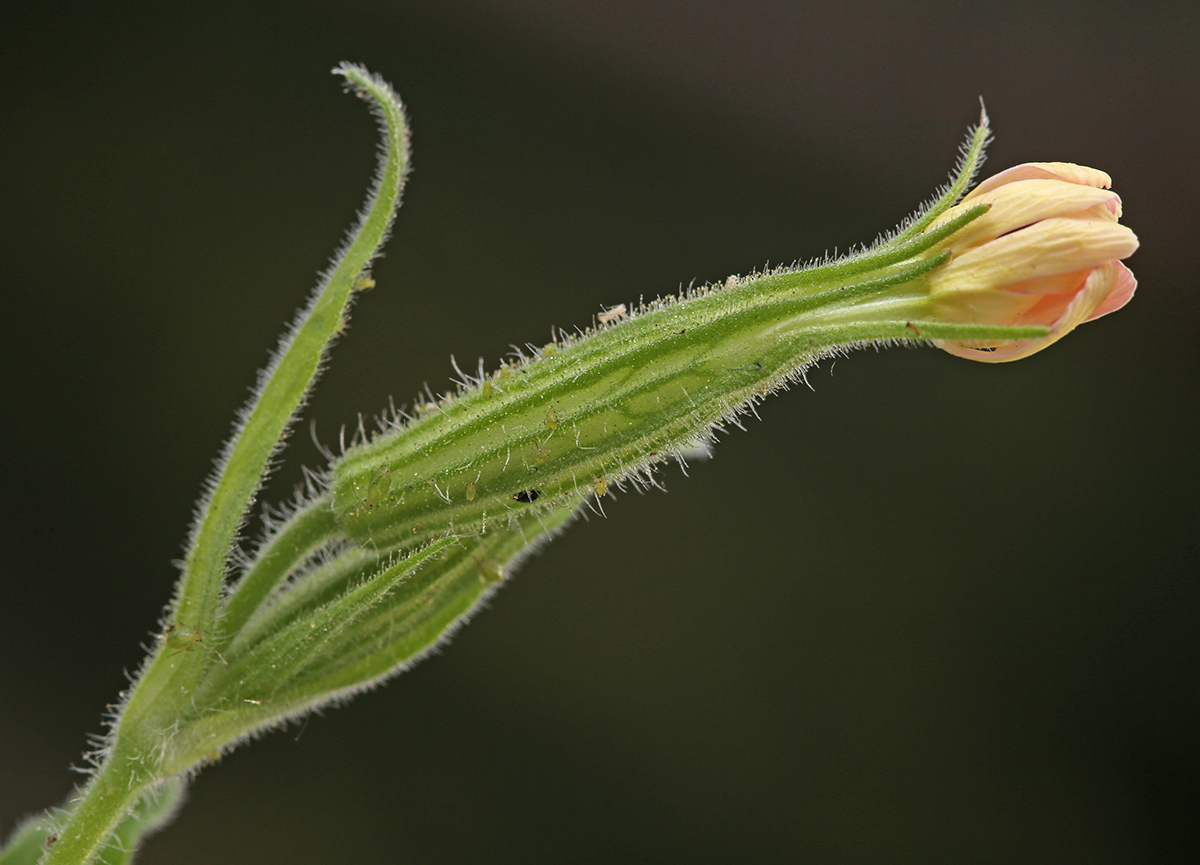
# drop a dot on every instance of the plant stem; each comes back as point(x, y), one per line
point(102, 805)
point(162, 698)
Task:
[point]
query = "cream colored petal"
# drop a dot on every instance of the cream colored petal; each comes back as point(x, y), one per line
point(1056, 245)
point(1109, 211)
point(1024, 202)
point(1100, 284)
point(983, 307)
point(1067, 171)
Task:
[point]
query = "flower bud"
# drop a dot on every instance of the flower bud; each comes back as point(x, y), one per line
point(1048, 252)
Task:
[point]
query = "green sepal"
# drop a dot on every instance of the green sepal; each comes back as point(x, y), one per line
point(968, 167)
point(893, 252)
point(306, 591)
point(420, 610)
point(270, 666)
point(309, 529)
point(940, 330)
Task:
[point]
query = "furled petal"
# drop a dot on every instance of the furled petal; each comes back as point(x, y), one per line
point(1056, 245)
point(1058, 283)
point(1099, 285)
point(1024, 202)
point(1121, 292)
point(1068, 171)
point(1082, 307)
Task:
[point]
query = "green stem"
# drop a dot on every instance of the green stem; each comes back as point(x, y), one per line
point(103, 804)
point(157, 809)
point(162, 698)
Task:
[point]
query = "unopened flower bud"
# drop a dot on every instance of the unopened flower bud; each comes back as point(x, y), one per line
point(1048, 252)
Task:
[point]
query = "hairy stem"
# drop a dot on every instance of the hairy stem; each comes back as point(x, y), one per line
point(162, 697)
point(103, 804)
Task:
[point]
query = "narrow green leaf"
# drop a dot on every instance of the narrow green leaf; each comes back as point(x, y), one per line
point(296, 364)
point(281, 392)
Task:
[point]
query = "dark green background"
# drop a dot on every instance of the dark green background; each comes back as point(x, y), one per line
point(933, 611)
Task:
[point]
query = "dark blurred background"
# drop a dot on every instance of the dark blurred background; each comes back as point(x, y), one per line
point(934, 611)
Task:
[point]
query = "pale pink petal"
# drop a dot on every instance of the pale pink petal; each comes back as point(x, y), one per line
point(1048, 311)
point(1121, 293)
point(1099, 285)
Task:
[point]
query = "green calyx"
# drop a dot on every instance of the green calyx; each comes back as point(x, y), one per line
point(592, 411)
